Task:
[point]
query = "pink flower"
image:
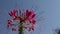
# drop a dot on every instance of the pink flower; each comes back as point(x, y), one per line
point(9, 23)
point(31, 28)
point(32, 21)
point(25, 16)
point(13, 13)
point(29, 15)
point(13, 29)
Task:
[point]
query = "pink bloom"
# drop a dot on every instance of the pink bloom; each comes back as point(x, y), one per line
point(13, 29)
point(13, 13)
point(26, 17)
point(9, 23)
point(32, 21)
point(31, 28)
point(29, 15)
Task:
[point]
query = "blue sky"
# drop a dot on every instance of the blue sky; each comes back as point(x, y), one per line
point(51, 9)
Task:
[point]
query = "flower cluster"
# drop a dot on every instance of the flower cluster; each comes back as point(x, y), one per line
point(26, 17)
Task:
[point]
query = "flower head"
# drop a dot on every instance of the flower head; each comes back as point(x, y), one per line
point(26, 17)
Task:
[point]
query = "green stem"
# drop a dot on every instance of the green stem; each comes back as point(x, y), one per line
point(21, 29)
